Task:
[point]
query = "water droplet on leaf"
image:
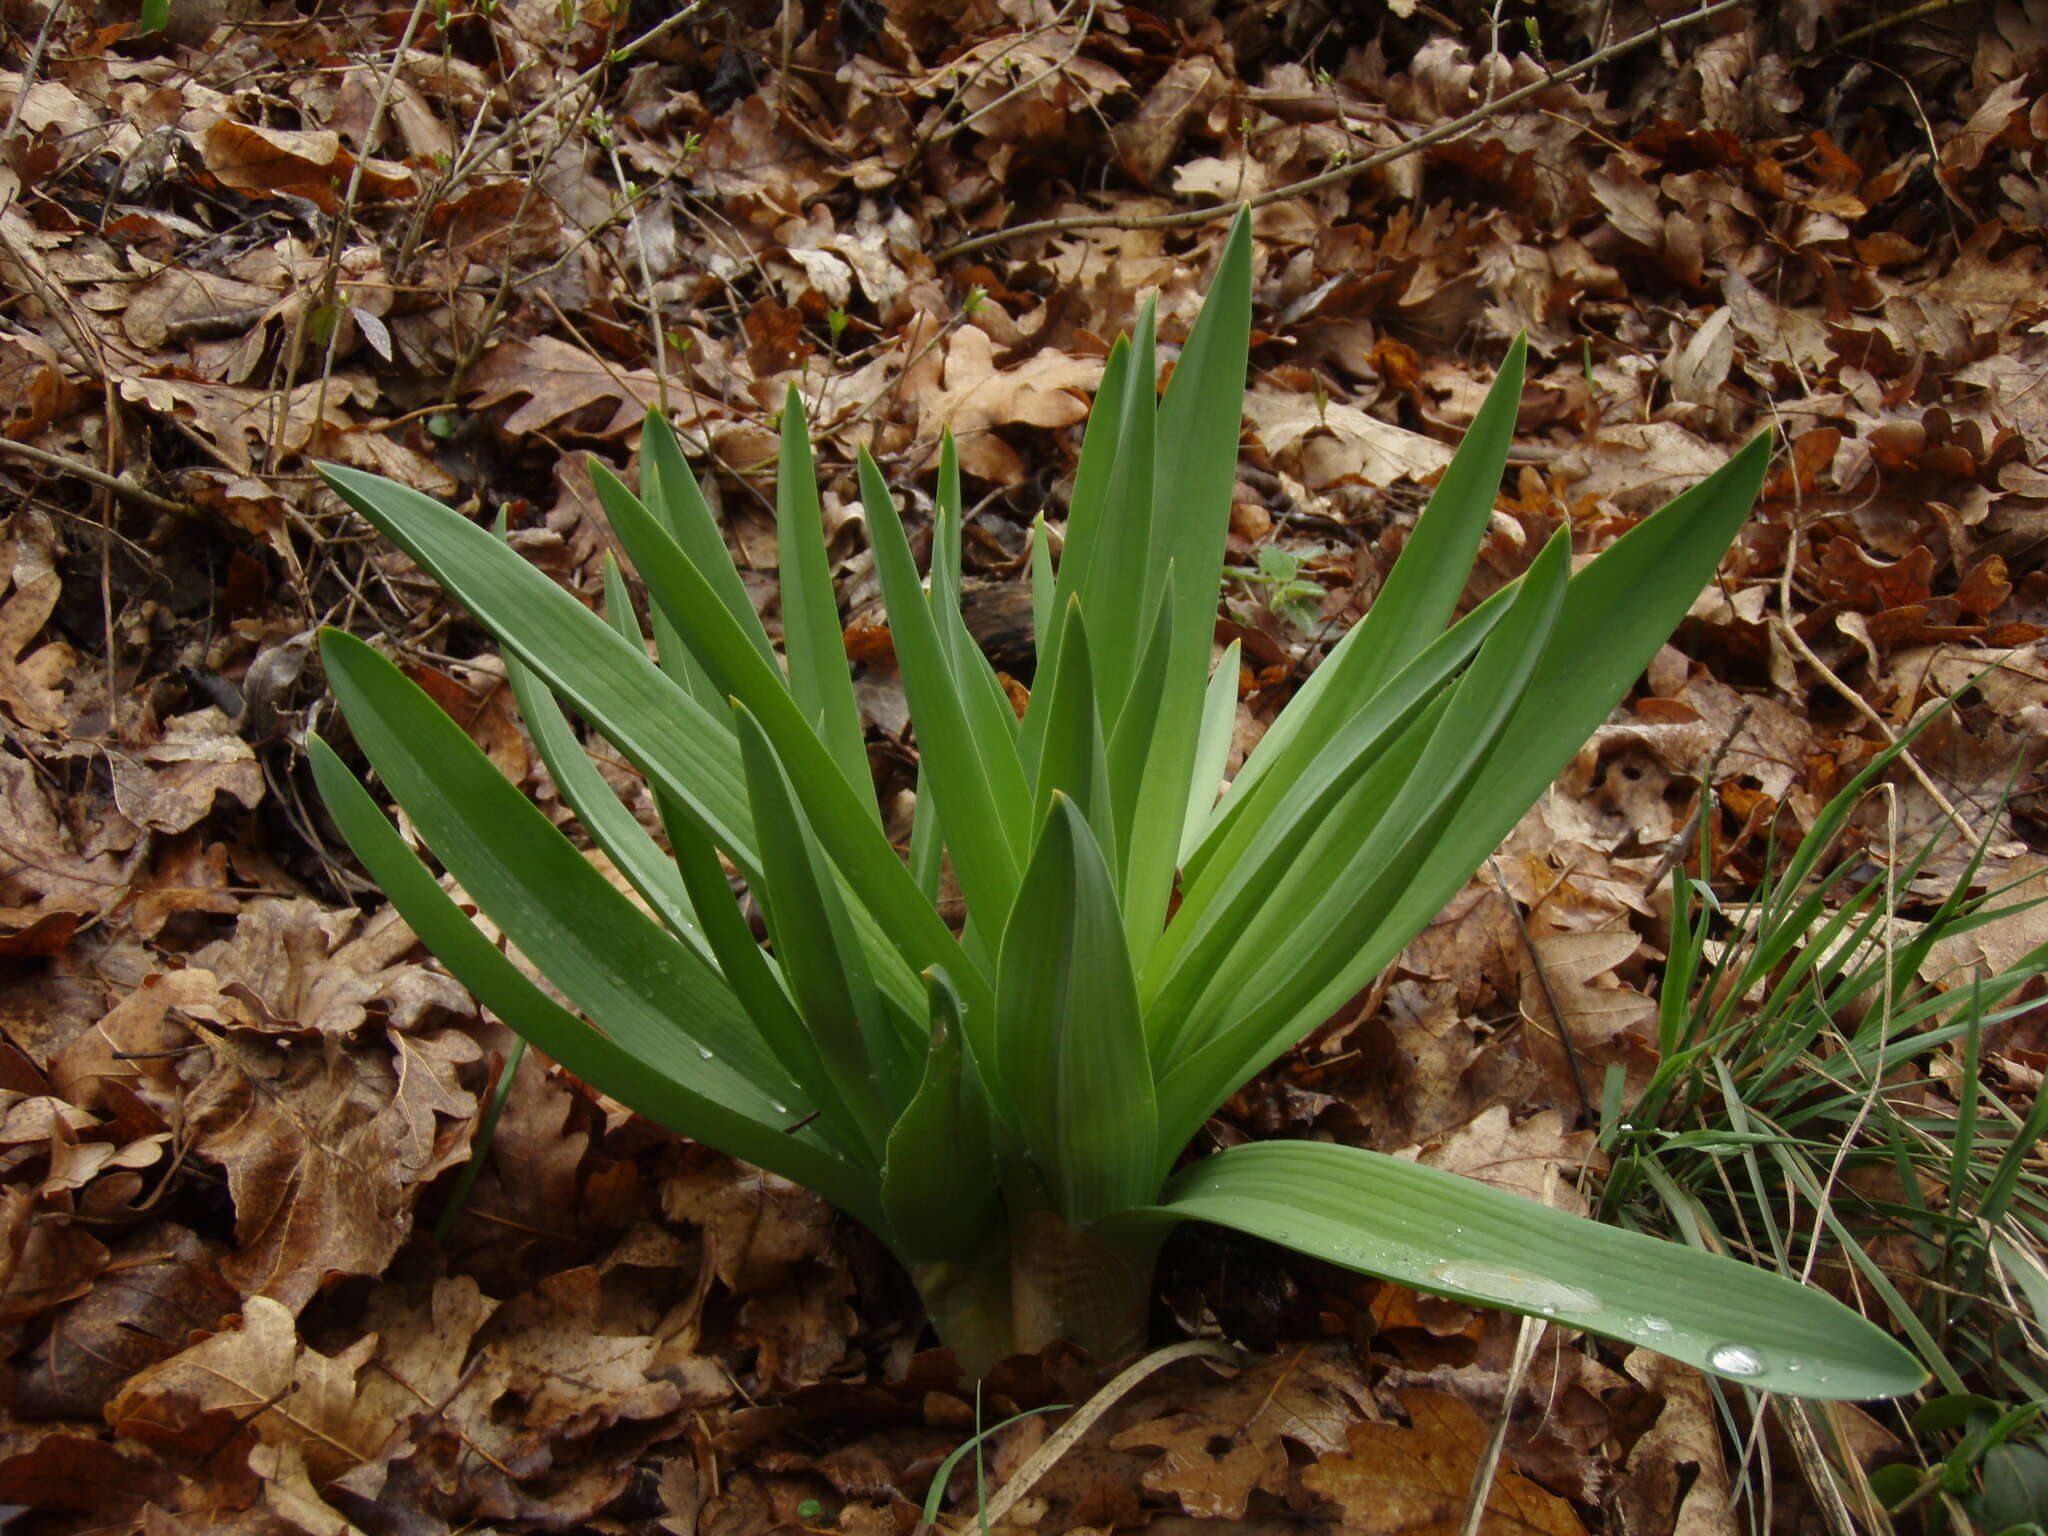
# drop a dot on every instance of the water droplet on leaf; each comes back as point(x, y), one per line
point(1736, 1360)
point(1513, 1288)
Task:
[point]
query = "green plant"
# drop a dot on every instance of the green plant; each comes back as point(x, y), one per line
point(1290, 596)
point(1002, 1105)
point(1821, 1102)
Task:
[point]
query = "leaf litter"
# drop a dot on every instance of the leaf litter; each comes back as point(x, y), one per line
point(236, 1092)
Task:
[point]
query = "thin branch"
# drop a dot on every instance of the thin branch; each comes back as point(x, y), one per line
point(1342, 173)
point(126, 490)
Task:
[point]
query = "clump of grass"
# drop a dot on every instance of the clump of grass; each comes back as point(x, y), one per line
point(1822, 1107)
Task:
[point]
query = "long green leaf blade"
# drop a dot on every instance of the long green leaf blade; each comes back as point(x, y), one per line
point(611, 826)
point(672, 494)
point(858, 1045)
point(841, 813)
point(811, 631)
point(663, 1085)
point(1202, 417)
point(981, 798)
point(1453, 1236)
point(939, 1182)
point(1411, 610)
point(1075, 1075)
point(666, 734)
point(650, 991)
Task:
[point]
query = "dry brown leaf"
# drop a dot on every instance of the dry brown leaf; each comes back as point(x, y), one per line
point(759, 1225)
point(1675, 1482)
point(170, 784)
point(264, 1376)
point(1578, 969)
point(232, 418)
point(1231, 1438)
point(1338, 444)
point(162, 1283)
point(34, 388)
point(1519, 1158)
point(563, 383)
point(47, 886)
point(1047, 389)
point(33, 683)
point(304, 163)
point(1417, 1480)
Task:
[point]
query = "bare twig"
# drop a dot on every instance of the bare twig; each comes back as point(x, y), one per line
point(121, 488)
point(1342, 173)
point(30, 70)
point(1856, 35)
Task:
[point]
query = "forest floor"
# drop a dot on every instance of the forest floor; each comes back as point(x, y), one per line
point(466, 244)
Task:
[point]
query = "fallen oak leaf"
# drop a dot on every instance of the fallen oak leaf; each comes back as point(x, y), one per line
point(1416, 1480)
point(1227, 1441)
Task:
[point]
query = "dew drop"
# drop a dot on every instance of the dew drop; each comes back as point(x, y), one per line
point(1736, 1360)
point(1513, 1288)
point(1656, 1325)
point(778, 1106)
point(704, 1051)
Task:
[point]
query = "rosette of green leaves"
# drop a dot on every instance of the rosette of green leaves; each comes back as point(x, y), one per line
point(1139, 941)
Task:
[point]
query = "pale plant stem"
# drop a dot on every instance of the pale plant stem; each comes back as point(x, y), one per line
point(1527, 1338)
point(1069, 1434)
point(611, 149)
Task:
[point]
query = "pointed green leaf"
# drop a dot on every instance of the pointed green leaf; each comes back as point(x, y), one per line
point(1073, 761)
point(660, 1080)
point(811, 632)
point(977, 782)
point(671, 493)
point(839, 812)
point(689, 753)
point(1119, 584)
point(1130, 742)
point(863, 1054)
point(1412, 608)
point(649, 991)
point(1281, 977)
point(1074, 1071)
point(1212, 750)
point(1201, 416)
point(1453, 1236)
point(611, 826)
point(939, 1183)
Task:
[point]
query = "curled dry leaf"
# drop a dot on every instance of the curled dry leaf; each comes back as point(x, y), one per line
point(314, 165)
